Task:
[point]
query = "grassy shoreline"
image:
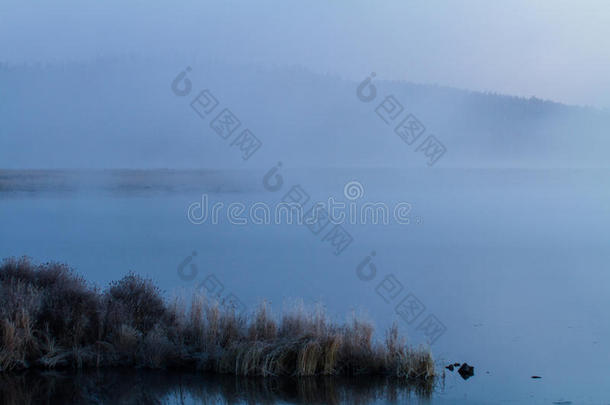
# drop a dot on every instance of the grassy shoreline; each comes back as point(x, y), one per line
point(50, 318)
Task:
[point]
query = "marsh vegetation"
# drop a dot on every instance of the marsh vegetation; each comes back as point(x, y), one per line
point(51, 318)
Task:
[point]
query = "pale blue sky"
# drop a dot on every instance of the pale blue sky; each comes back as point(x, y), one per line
point(557, 49)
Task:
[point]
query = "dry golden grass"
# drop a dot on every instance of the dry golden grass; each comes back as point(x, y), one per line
point(50, 318)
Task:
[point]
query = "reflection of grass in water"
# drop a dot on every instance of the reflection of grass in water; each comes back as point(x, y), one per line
point(120, 386)
point(50, 318)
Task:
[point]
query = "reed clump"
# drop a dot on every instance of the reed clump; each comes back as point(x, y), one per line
point(51, 318)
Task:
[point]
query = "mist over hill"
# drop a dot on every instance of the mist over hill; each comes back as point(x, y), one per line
point(122, 113)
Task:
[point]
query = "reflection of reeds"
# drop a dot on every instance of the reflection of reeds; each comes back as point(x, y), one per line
point(50, 318)
point(121, 386)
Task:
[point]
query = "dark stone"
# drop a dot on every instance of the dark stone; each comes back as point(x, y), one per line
point(449, 367)
point(456, 364)
point(536, 376)
point(466, 371)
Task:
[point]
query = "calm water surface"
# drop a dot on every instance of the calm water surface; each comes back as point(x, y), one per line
point(514, 263)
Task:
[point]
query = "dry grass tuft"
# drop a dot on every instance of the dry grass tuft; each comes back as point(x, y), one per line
point(51, 318)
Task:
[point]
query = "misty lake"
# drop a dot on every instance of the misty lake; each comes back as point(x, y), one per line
point(513, 264)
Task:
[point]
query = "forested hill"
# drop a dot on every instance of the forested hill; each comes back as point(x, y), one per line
point(122, 113)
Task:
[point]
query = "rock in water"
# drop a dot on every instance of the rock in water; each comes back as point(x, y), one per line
point(466, 371)
point(449, 367)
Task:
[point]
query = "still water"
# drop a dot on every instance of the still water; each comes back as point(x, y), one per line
point(163, 387)
point(513, 264)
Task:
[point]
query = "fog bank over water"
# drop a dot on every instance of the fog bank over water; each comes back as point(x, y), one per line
point(122, 113)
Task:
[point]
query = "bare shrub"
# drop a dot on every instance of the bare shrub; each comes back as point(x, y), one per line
point(135, 301)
